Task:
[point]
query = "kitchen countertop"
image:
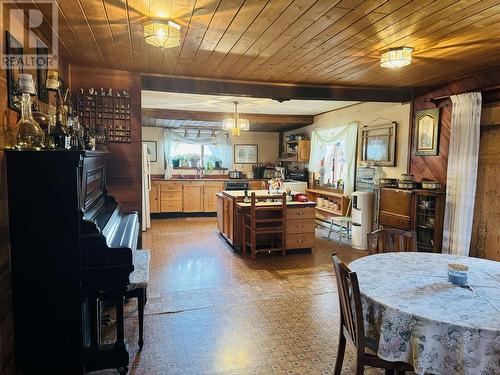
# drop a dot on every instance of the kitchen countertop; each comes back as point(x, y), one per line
point(241, 193)
point(210, 179)
point(265, 204)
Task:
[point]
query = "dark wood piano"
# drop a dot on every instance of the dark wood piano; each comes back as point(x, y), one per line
point(71, 244)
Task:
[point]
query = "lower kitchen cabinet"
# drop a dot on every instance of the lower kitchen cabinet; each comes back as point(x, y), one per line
point(184, 196)
point(154, 198)
point(220, 213)
point(192, 194)
point(210, 191)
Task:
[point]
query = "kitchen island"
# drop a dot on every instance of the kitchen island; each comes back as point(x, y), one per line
point(300, 219)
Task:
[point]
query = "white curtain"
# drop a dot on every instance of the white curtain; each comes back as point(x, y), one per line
point(347, 135)
point(220, 146)
point(462, 172)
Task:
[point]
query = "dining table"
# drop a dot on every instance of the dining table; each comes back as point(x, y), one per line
point(413, 314)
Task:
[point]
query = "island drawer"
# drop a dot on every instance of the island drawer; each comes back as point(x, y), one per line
point(300, 213)
point(300, 241)
point(300, 226)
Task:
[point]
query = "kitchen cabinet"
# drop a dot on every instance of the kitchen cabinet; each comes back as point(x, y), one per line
point(304, 149)
point(154, 198)
point(192, 197)
point(210, 190)
point(170, 196)
point(227, 228)
point(220, 212)
point(297, 151)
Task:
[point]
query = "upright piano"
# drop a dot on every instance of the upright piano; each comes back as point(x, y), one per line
point(71, 242)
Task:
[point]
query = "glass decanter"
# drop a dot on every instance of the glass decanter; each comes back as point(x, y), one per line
point(29, 134)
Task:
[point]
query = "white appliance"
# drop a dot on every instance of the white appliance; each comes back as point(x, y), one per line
point(295, 186)
point(146, 188)
point(362, 218)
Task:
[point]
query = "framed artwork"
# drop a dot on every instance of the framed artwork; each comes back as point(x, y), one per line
point(13, 47)
point(426, 137)
point(378, 145)
point(152, 150)
point(246, 154)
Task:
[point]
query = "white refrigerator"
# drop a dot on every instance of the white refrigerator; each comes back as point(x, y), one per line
point(146, 188)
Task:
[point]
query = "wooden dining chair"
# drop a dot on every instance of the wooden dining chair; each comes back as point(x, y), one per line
point(352, 329)
point(391, 240)
point(264, 227)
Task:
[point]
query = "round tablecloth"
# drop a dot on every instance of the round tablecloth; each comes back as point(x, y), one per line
point(414, 315)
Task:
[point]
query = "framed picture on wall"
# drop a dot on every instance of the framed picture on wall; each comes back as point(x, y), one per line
point(246, 154)
point(426, 137)
point(152, 150)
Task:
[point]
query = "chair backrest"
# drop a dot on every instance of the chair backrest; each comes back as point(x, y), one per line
point(254, 208)
point(351, 311)
point(391, 240)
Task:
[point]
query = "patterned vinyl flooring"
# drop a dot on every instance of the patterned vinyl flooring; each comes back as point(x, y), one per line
point(211, 311)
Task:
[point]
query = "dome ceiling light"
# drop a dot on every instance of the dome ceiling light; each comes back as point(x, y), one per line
point(162, 33)
point(396, 57)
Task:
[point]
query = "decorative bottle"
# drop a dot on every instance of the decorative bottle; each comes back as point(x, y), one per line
point(29, 134)
point(59, 133)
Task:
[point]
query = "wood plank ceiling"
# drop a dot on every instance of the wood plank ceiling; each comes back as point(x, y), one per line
point(200, 119)
point(293, 41)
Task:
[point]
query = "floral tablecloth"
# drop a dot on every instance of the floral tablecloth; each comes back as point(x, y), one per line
point(414, 315)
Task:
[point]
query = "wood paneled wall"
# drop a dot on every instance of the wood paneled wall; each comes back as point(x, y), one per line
point(485, 233)
point(434, 167)
point(125, 165)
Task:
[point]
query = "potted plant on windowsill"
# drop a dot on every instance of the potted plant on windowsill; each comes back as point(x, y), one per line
point(194, 160)
point(176, 161)
point(184, 161)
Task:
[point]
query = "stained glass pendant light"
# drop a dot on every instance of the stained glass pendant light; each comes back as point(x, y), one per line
point(396, 57)
point(236, 124)
point(162, 33)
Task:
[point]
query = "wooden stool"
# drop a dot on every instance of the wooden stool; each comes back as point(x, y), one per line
point(265, 219)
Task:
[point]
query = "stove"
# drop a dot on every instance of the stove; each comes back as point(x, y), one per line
point(237, 185)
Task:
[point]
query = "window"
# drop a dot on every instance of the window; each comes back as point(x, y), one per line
point(193, 155)
point(332, 164)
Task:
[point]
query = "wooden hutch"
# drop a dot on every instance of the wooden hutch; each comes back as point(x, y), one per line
point(416, 210)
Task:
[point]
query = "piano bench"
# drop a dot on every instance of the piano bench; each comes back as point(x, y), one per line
point(139, 280)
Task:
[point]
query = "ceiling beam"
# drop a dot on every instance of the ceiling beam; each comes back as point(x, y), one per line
point(280, 92)
point(254, 118)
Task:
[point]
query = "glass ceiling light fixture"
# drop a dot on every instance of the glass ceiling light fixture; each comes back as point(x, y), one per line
point(162, 33)
point(236, 124)
point(396, 57)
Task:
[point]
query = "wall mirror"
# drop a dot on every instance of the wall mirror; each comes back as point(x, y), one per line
point(378, 145)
